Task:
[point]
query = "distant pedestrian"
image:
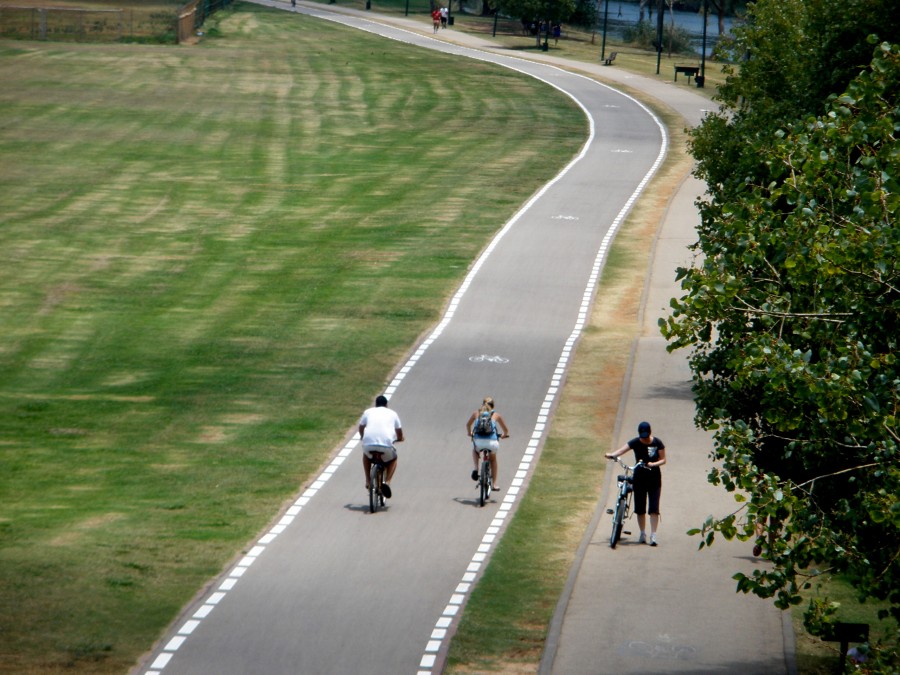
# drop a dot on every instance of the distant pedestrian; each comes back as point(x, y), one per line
point(444, 14)
point(436, 19)
point(293, 3)
point(557, 31)
point(647, 481)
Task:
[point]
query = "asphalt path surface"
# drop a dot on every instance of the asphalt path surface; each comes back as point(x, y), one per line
point(332, 588)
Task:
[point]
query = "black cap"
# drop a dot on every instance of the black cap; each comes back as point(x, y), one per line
point(644, 429)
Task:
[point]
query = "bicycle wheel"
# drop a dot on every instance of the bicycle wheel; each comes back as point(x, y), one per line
point(618, 521)
point(486, 479)
point(374, 488)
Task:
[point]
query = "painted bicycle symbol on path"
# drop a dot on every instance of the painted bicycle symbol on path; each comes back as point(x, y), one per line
point(486, 358)
point(663, 650)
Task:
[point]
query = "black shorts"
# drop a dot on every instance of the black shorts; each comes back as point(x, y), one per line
point(647, 490)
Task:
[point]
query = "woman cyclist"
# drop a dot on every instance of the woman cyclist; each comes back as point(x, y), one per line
point(486, 435)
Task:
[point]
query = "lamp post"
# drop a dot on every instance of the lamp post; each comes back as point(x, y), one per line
point(546, 26)
point(659, 33)
point(603, 41)
point(701, 81)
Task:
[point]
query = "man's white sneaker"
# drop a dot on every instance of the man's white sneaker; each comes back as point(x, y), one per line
point(643, 538)
point(653, 540)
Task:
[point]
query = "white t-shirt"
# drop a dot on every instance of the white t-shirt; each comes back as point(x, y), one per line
point(381, 426)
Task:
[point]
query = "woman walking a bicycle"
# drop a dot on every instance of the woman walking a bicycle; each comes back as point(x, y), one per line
point(486, 427)
point(648, 480)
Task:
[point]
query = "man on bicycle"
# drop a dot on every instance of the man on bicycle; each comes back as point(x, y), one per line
point(488, 438)
point(379, 428)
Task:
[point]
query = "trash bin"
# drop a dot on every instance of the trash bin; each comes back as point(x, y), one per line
point(368, 4)
point(545, 46)
point(699, 80)
point(450, 20)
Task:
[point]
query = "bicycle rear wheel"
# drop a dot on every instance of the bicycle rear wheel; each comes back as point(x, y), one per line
point(374, 487)
point(486, 482)
point(618, 522)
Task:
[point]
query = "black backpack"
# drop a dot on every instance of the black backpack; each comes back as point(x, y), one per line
point(484, 425)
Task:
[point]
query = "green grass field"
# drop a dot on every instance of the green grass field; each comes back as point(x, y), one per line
point(211, 258)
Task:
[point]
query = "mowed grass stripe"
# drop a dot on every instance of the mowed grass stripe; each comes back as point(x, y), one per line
point(211, 258)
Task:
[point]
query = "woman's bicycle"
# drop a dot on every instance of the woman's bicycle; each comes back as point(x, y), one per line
point(486, 475)
point(624, 496)
point(376, 482)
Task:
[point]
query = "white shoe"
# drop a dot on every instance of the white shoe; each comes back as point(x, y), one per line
point(643, 538)
point(653, 539)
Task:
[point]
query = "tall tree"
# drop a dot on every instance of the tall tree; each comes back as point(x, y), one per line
point(791, 313)
point(549, 12)
point(792, 317)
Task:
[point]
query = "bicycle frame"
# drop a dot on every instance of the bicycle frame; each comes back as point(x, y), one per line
point(624, 497)
point(376, 480)
point(486, 478)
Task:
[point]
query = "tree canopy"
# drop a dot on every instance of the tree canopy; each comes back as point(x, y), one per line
point(792, 310)
point(551, 11)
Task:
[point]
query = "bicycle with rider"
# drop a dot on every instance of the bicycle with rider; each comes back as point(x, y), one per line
point(488, 439)
point(380, 428)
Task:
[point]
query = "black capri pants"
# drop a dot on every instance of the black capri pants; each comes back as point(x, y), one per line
point(647, 488)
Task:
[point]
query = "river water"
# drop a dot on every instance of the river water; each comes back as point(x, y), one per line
point(621, 15)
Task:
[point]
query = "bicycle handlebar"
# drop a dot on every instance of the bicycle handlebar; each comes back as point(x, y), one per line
point(640, 464)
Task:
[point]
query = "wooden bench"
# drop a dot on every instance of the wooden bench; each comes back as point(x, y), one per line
point(609, 59)
point(690, 71)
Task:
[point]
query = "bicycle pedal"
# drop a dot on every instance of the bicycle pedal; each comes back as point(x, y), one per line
point(626, 532)
point(609, 511)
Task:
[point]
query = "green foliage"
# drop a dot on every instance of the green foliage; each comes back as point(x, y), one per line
point(540, 10)
point(792, 55)
point(792, 318)
point(586, 14)
point(676, 39)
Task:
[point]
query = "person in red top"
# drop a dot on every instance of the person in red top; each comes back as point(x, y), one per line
point(436, 18)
